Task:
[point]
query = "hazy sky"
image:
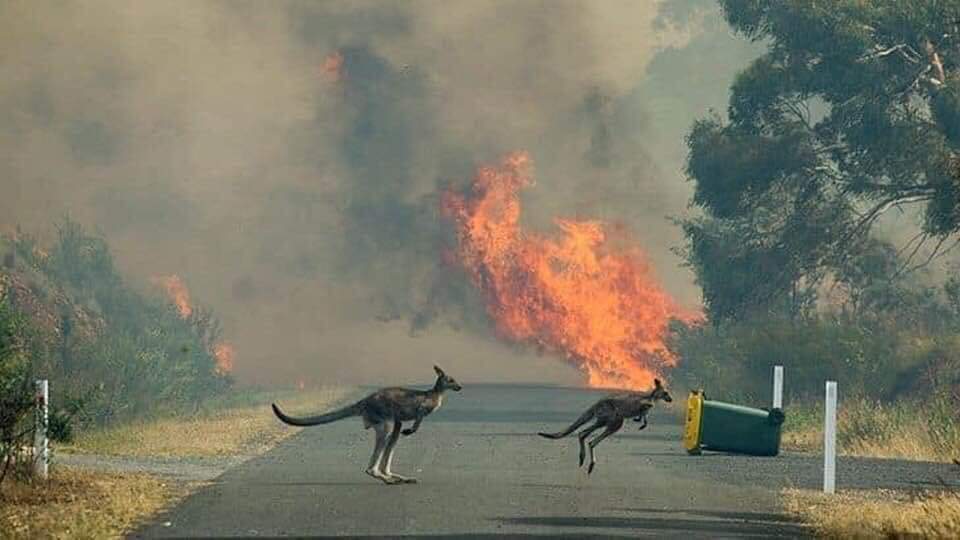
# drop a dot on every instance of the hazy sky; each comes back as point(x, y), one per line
point(206, 139)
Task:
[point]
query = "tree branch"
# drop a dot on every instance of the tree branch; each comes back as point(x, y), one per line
point(866, 220)
point(936, 253)
point(912, 240)
point(881, 208)
point(909, 259)
point(879, 52)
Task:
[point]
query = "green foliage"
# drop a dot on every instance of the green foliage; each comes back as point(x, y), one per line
point(803, 416)
point(852, 111)
point(16, 399)
point(113, 353)
point(886, 341)
point(952, 290)
point(60, 427)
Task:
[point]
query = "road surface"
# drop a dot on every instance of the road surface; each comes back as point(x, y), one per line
point(484, 472)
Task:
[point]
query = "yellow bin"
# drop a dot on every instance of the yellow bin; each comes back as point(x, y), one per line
point(725, 427)
point(691, 428)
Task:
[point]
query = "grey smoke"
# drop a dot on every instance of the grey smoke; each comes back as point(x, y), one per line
point(203, 139)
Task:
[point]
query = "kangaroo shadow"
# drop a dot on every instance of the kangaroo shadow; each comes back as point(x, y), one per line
point(658, 436)
point(745, 516)
point(358, 483)
point(703, 523)
point(677, 454)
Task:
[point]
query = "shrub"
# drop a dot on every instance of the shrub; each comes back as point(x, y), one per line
point(16, 399)
point(909, 349)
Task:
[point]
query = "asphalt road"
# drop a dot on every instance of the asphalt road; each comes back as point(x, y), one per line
point(484, 472)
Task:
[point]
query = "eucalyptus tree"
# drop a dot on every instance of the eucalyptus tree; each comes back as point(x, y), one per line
point(853, 110)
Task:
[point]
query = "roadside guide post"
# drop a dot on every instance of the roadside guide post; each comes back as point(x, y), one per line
point(41, 444)
point(777, 387)
point(830, 439)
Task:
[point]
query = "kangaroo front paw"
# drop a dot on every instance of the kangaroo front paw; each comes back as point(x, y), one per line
point(408, 431)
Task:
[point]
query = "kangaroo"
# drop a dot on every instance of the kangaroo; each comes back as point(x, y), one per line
point(385, 411)
point(610, 413)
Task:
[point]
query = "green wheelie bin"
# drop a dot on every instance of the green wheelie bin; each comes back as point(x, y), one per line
point(725, 427)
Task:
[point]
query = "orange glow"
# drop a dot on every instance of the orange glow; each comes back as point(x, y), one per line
point(223, 353)
point(301, 385)
point(177, 292)
point(332, 67)
point(587, 293)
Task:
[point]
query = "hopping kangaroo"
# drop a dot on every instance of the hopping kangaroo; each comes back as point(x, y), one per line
point(385, 411)
point(610, 413)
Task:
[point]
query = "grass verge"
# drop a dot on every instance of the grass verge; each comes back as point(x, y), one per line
point(82, 504)
point(239, 424)
point(876, 514)
point(907, 430)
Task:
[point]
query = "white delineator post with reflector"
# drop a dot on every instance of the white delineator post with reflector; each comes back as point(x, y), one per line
point(830, 439)
point(41, 444)
point(777, 387)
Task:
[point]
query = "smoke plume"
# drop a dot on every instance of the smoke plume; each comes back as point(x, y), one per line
point(286, 159)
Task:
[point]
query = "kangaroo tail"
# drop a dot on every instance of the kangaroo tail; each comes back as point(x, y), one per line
point(573, 427)
point(333, 416)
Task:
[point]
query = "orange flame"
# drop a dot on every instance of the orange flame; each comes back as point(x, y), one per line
point(177, 292)
point(577, 293)
point(223, 353)
point(332, 67)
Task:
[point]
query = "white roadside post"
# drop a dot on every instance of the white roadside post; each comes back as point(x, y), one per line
point(777, 387)
point(830, 439)
point(41, 451)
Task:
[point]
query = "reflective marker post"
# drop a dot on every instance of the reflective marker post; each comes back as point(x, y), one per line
point(41, 445)
point(777, 387)
point(830, 439)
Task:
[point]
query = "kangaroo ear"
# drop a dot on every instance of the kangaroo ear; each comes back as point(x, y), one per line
point(656, 383)
point(439, 371)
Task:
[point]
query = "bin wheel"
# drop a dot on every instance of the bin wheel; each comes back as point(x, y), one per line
point(695, 451)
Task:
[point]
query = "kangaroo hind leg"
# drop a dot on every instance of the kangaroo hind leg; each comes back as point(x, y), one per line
point(388, 456)
point(611, 429)
point(582, 436)
point(373, 469)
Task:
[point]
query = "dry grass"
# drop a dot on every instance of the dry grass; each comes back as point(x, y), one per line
point(908, 441)
point(82, 504)
point(239, 430)
point(925, 431)
point(876, 514)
